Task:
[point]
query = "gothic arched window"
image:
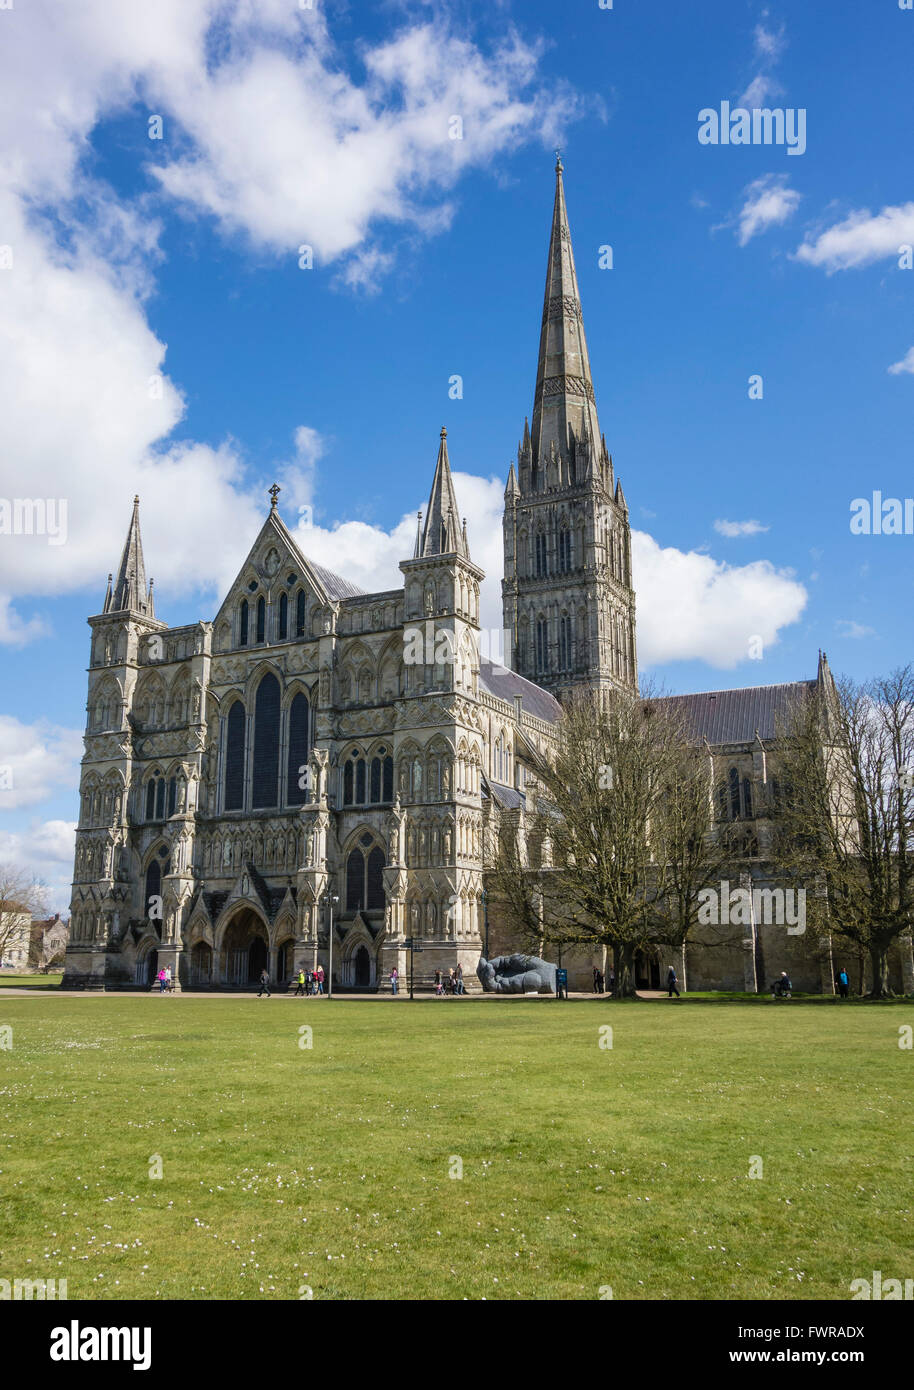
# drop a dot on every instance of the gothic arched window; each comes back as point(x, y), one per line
point(564, 642)
point(265, 770)
point(243, 624)
point(388, 779)
point(299, 717)
point(747, 798)
point(734, 794)
point(261, 619)
point(283, 625)
point(564, 550)
point(347, 783)
point(300, 614)
point(374, 896)
point(172, 795)
point(540, 552)
point(153, 888)
point(542, 645)
point(374, 790)
point(355, 881)
point(234, 757)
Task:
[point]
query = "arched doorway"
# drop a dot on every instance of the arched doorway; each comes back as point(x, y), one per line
point(201, 964)
point(152, 968)
point(257, 958)
point(361, 968)
point(647, 968)
point(244, 950)
point(285, 955)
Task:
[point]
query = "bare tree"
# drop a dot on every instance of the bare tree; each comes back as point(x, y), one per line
point(695, 849)
point(589, 873)
point(847, 813)
point(22, 897)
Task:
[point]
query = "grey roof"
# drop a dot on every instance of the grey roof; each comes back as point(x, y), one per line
point(507, 797)
point(734, 716)
point(505, 684)
point(336, 586)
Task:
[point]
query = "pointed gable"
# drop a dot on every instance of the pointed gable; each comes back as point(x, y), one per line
point(276, 550)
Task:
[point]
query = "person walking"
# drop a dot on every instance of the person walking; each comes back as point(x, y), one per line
point(438, 989)
point(161, 979)
point(843, 983)
point(319, 979)
point(596, 980)
point(169, 988)
point(300, 984)
point(458, 980)
point(672, 984)
point(612, 981)
point(264, 983)
point(394, 981)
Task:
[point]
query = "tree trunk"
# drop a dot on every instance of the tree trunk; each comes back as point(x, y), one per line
point(879, 960)
point(625, 971)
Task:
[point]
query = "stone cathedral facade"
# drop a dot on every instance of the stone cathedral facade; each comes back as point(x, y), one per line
point(316, 755)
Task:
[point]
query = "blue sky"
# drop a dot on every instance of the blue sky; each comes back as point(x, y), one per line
point(177, 259)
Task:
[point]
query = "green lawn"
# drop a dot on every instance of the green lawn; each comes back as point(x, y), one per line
point(49, 981)
point(329, 1168)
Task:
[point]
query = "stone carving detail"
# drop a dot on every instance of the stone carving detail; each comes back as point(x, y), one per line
point(570, 385)
point(516, 975)
point(562, 306)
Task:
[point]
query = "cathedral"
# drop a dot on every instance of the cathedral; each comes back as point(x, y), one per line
point(315, 775)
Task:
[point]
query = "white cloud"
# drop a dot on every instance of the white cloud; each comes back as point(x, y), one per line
point(759, 90)
point(266, 131)
point(739, 528)
point(293, 150)
point(691, 607)
point(44, 850)
point(846, 627)
point(38, 759)
point(861, 239)
point(905, 365)
point(768, 44)
point(768, 202)
point(370, 556)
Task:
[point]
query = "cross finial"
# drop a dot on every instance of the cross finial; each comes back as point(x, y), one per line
point(558, 161)
point(275, 490)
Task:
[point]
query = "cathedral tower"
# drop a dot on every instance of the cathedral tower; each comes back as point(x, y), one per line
point(567, 597)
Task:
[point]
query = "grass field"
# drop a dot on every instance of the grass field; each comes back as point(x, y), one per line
point(49, 981)
point(287, 1168)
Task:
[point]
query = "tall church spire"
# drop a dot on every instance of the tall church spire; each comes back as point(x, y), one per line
point(567, 596)
point(442, 534)
point(130, 592)
point(563, 409)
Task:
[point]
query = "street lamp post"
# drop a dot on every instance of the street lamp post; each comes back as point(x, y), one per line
point(410, 944)
point(330, 901)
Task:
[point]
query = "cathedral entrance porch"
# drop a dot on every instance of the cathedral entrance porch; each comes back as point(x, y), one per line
point(147, 967)
point(244, 952)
